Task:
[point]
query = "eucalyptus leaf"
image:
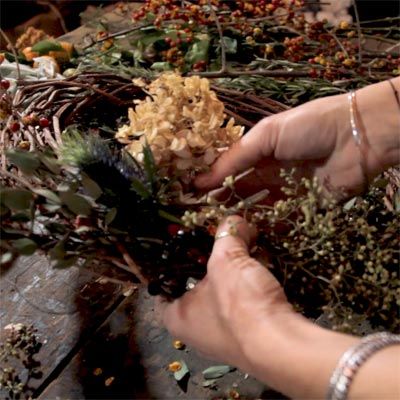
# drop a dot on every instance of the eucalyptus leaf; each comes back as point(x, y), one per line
point(199, 50)
point(6, 257)
point(230, 45)
point(217, 371)
point(66, 262)
point(140, 188)
point(51, 163)
point(179, 375)
point(48, 194)
point(209, 383)
point(27, 162)
point(58, 251)
point(350, 204)
point(24, 246)
point(51, 207)
point(16, 199)
point(45, 46)
point(162, 66)
point(91, 187)
point(76, 203)
point(110, 216)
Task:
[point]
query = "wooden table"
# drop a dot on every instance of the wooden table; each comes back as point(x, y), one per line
point(100, 344)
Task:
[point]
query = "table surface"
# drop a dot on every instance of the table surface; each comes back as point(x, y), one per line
point(100, 342)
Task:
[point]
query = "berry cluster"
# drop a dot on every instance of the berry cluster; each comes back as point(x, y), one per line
point(14, 119)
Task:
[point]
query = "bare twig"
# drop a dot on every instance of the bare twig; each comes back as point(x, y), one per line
point(278, 73)
point(17, 178)
point(359, 34)
point(56, 11)
point(12, 48)
point(221, 37)
point(131, 264)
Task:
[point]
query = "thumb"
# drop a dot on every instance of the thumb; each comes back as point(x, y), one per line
point(259, 142)
point(232, 241)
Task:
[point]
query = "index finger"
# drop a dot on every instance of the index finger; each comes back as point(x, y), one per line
point(257, 143)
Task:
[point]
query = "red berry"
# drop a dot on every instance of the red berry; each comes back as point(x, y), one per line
point(14, 126)
point(173, 229)
point(44, 122)
point(5, 84)
point(202, 260)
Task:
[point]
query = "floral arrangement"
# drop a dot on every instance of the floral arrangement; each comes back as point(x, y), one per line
point(128, 200)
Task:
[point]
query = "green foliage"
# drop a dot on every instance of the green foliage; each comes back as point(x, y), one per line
point(45, 46)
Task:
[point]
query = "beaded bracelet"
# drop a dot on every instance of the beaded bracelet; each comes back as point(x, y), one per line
point(351, 361)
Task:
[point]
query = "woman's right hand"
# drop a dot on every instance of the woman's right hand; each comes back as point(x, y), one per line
point(316, 139)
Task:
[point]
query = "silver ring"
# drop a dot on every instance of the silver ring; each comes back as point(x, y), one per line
point(223, 234)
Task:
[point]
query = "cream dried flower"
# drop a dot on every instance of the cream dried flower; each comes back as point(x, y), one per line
point(183, 122)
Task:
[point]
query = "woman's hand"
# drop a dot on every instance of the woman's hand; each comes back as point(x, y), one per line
point(316, 138)
point(219, 315)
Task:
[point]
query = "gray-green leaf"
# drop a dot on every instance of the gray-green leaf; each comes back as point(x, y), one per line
point(25, 161)
point(178, 375)
point(217, 371)
point(16, 199)
point(91, 187)
point(111, 214)
point(48, 194)
point(76, 203)
point(25, 246)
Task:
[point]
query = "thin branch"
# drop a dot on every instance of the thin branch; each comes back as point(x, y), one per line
point(221, 38)
point(359, 34)
point(56, 11)
point(131, 264)
point(278, 73)
point(12, 48)
point(17, 178)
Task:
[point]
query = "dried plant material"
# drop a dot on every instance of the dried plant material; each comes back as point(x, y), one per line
point(174, 366)
point(30, 37)
point(184, 124)
point(97, 371)
point(179, 345)
point(109, 381)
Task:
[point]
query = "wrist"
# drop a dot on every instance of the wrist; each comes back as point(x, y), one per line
point(293, 355)
point(379, 119)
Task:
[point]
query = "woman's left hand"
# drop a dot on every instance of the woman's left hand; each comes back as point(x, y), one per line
point(218, 315)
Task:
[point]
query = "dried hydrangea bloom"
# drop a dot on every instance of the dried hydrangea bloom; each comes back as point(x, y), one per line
point(183, 122)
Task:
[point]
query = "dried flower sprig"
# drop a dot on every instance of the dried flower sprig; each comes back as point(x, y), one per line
point(20, 347)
